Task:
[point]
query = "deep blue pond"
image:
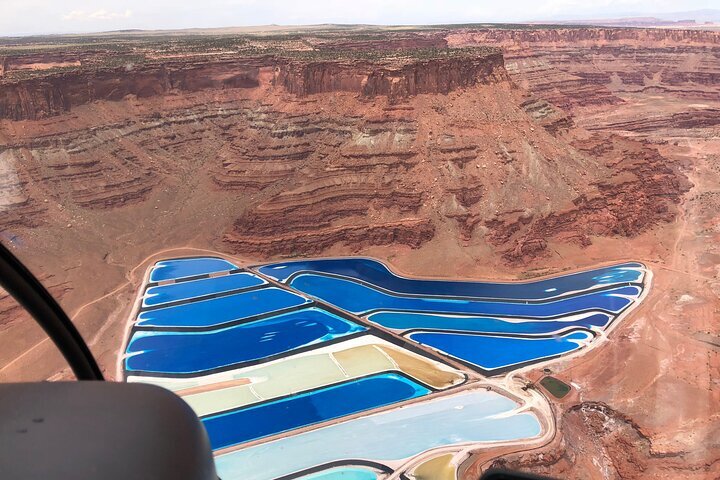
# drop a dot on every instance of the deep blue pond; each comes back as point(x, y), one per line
point(188, 267)
point(359, 298)
point(221, 310)
point(309, 408)
point(424, 321)
point(197, 288)
point(194, 352)
point(193, 329)
point(496, 352)
point(477, 322)
point(378, 274)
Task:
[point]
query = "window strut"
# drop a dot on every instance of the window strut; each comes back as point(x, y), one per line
point(17, 280)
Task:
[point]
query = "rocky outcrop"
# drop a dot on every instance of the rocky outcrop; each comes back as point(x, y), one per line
point(318, 215)
point(18, 207)
point(640, 193)
point(299, 153)
point(412, 232)
point(295, 172)
point(588, 67)
point(396, 82)
point(599, 441)
point(412, 74)
point(709, 117)
point(36, 98)
point(363, 196)
point(92, 169)
point(552, 119)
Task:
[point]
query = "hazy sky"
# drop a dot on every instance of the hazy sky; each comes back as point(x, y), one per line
point(21, 17)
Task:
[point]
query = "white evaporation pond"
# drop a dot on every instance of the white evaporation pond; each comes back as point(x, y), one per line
point(474, 417)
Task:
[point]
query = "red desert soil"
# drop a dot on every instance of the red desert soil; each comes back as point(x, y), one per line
point(561, 149)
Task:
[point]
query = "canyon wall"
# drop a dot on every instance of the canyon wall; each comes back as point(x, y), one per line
point(425, 76)
point(58, 93)
point(588, 67)
point(389, 148)
point(42, 96)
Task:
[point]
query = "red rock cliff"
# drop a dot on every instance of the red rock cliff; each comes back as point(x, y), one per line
point(424, 76)
point(54, 94)
point(49, 95)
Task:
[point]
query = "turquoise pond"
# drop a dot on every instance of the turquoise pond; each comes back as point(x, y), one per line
point(342, 473)
point(387, 436)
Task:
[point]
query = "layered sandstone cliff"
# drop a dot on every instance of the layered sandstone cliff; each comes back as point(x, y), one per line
point(591, 67)
point(54, 94)
point(402, 75)
point(430, 76)
point(392, 146)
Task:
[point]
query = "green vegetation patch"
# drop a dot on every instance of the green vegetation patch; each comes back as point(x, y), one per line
point(93, 53)
point(556, 387)
point(395, 55)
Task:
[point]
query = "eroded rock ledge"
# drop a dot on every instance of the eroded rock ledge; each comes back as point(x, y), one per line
point(596, 436)
point(400, 79)
point(396, 74)
point(322, 144)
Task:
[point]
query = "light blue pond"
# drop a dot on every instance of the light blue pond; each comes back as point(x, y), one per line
point(496, 352)
point(378, 274)
point(342, 473)
point(425, 321)
point(309, 408)
point(188, 267)
point(196, 352)
point(392, 435)
point(218, 311)
point(359, 299)
point(197, 288)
